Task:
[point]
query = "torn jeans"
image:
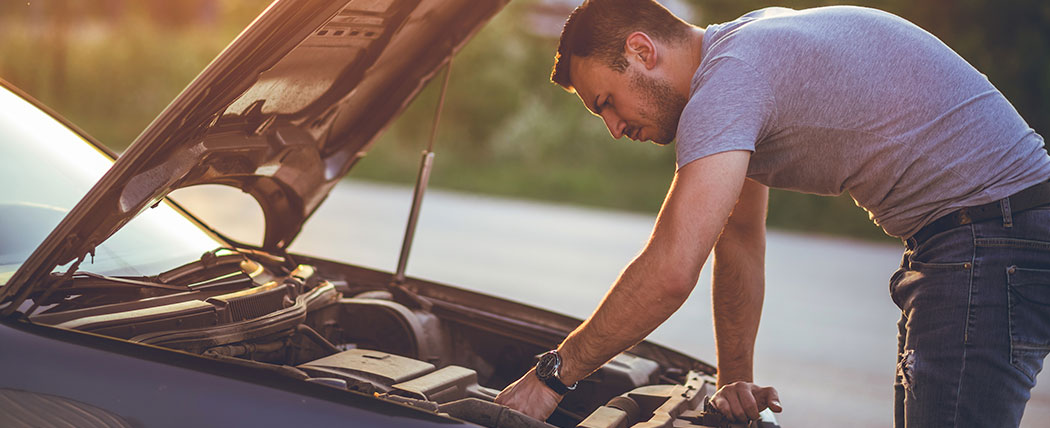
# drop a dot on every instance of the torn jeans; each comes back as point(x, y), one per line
point(975, 322)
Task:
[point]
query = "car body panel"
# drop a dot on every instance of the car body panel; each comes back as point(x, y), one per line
point(149, 386)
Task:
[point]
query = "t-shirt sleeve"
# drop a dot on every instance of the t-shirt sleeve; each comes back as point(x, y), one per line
point(732, 109)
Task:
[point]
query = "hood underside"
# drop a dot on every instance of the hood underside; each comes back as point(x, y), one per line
point(282, 114)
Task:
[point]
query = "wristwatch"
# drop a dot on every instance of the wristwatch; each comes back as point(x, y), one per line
point(548, 368)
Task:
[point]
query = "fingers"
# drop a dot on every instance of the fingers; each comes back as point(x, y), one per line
point(743, 401)
point(768, 397)
point(501, 399)
point(748, 405)
point(530, 396)
point(721, 403)
point(728, 400)
point(505, 396)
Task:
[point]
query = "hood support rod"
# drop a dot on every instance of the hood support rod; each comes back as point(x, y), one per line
point(425, 166)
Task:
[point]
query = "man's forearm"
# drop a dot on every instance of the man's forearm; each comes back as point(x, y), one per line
point(660, 279)
point(738, 284)
point(737, 290)
point(642, 298)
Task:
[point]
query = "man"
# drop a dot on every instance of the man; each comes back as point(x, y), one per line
point(821, 101)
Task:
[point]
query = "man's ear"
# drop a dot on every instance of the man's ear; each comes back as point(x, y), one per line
point(641, 48)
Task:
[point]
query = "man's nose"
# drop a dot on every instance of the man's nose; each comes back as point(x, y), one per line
point(615, 125)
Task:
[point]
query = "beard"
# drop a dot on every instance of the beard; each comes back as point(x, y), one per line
point(662, 106)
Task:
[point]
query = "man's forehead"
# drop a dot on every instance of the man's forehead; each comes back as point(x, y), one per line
point(585, 81)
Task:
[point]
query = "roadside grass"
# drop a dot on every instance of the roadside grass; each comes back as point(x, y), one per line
point(505, 129)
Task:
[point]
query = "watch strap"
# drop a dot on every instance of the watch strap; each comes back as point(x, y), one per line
point(555, 384)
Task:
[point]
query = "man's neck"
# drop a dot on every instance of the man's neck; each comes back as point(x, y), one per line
point(697, 46)
point(686, 59)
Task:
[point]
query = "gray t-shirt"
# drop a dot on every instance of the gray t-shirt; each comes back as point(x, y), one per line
point(853, 99)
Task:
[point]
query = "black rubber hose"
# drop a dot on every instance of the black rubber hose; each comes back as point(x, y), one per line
point(316, 337)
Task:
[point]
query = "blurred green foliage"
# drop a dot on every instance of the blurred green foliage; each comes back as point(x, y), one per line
point(507, 130)
point(112, 65)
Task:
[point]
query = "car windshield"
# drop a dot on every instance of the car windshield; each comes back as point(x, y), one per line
point(46, 169)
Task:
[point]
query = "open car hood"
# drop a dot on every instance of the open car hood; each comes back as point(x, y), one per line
point(282, 114)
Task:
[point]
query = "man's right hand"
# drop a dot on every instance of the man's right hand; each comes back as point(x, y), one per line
point(742, 401)
point(529, 395)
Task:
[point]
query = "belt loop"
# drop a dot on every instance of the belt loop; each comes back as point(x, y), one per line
point(911, 243)
point(1008, 219)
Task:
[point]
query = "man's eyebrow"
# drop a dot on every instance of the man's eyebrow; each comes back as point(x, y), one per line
point(597, 108)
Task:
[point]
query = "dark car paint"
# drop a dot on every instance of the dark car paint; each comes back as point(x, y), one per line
point(155, 387)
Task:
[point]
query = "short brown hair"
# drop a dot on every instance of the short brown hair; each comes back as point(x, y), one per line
point(601, 27)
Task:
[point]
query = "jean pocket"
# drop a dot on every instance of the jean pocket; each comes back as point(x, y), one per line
point(1029, 318)
point(930, 266)
point(949, 250)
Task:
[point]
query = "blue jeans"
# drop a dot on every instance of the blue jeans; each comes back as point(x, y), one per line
point(975, 322)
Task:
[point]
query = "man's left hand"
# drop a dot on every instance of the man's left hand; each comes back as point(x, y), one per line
point(529, 395)
point(742, 401)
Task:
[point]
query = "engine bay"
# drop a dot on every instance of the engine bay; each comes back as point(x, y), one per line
point(425, 345)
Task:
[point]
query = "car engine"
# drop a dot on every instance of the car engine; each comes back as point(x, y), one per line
point(420, 344)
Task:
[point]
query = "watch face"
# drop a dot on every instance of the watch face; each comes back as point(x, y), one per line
point(547, 365)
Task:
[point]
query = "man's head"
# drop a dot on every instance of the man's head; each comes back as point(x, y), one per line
point(614, 55)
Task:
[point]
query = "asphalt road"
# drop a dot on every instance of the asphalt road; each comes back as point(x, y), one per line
point(828, 334)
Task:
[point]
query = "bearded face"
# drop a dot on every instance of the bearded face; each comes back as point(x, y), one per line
point(660, 105)
point(633, 103)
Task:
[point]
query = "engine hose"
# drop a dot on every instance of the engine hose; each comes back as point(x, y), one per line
point(316, 337)
point(629, 406)
point(243, 349)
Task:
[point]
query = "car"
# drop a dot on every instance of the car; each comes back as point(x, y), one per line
point(121, 308)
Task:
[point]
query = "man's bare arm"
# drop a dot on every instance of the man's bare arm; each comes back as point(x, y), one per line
point(738, 284)
point(661, 277)
point(654, 284)
point(738, 287)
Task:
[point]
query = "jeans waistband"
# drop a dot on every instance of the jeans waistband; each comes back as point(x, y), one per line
point(1035, 196)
